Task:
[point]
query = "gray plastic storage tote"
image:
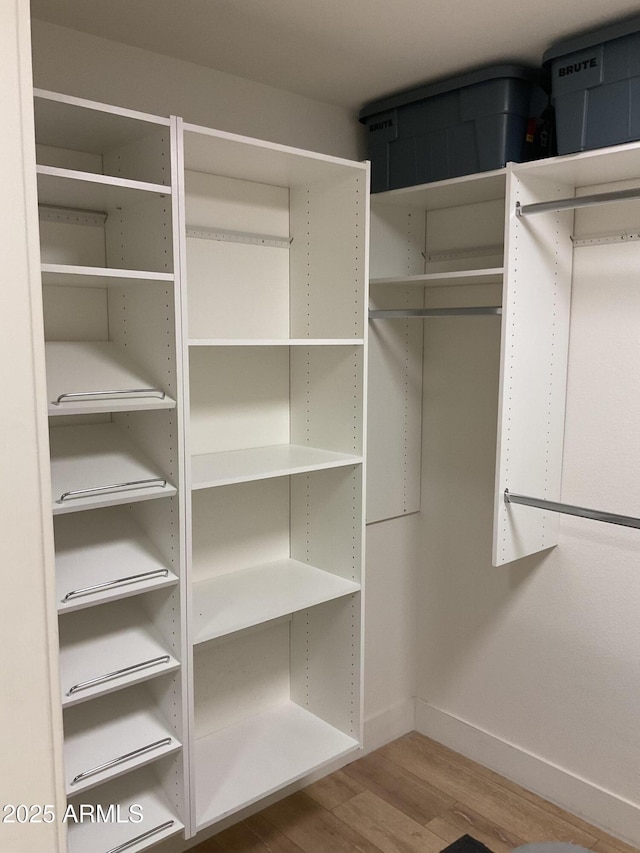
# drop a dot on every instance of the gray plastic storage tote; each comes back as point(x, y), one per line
point(595, 87)
point(469, 123)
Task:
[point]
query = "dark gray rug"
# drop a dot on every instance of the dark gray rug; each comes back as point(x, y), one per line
point(466, 844)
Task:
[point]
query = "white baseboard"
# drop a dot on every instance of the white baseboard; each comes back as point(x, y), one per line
point(389, 725)
point(596, 805)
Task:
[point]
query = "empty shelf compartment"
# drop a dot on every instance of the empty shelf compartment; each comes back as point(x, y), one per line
point(238, 600)
point(108, 648)
point(258, 463)
point(83, 378)
point(138, 812)
point(105, 739)
point(96, 465)
point(105, 558)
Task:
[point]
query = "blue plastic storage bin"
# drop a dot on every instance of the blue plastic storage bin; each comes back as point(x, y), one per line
point(595, 86)
point(469, 123)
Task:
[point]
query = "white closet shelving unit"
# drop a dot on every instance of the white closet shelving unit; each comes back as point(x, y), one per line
point(544, 247)
point(106, 192)
point(437, 245)
point(275, 248)
point(451, 244)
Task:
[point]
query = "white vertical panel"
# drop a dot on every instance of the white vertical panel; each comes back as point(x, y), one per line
point(154, 434)
point(395, 406)
point(160, 520)
point(139, 236)
point(72, 243)
point(81, 161)
point(146, 159)
point(236, 290)
point(75, 313)
point(328, 258)
point(326, 521)
point(327, 397)
point(239, 397)
point(535, 339)
point(395, 365)
point(180, 777)
point(238, 526)
point(213, 201)
point(477, 226)
point(325, 663)
point(397, 240)
point(240, 677)
point(142, 322)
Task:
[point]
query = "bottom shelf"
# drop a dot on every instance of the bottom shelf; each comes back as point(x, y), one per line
point(240, 764)
point(118, 826)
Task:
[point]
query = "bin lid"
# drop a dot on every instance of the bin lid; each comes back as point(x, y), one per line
point(590, 38)
point(449, 84)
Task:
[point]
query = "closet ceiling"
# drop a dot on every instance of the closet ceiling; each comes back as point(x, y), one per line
point(339, 51)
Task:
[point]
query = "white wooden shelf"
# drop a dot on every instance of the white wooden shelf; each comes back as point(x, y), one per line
point(82, 276)
point(104, 641)
point(64, 121)
point(103, 733)
point(241, 764)
point(75, 368)
point(88, 191)
point(259, 161)
point(139, 788)
point(275, 342)
point(106, 553)
point(97, 456)
point(453, 192)
point(238, 600)
point(493, 275)
point(260, 463)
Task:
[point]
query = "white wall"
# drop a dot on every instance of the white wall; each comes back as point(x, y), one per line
point(30, 716)
point(90, 67)
point(533, 668)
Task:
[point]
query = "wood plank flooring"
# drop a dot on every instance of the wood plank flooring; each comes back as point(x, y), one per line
point(411, 796)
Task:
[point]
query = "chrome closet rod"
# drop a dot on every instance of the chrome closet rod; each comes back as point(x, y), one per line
point(113, 488)
point(110, 676)
point(136, 753)
point(568, 509)
point(101, 587)
point(143, 837)
point(120, 392)
point(393, 313)
point(579, 201)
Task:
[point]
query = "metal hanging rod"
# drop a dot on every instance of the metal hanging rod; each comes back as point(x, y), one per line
point(101, 587)
point(121, 759)
point(581, 201)
point(222, 234)
point(568, 509)
point(110, 676)
point(113, 488)
point(145, 835)
point(395, 313)
point(123, 392)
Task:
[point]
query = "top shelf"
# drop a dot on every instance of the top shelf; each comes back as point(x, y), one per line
point(234, 156)
point(469, 189)
point(77, 124)
point(587, 168)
